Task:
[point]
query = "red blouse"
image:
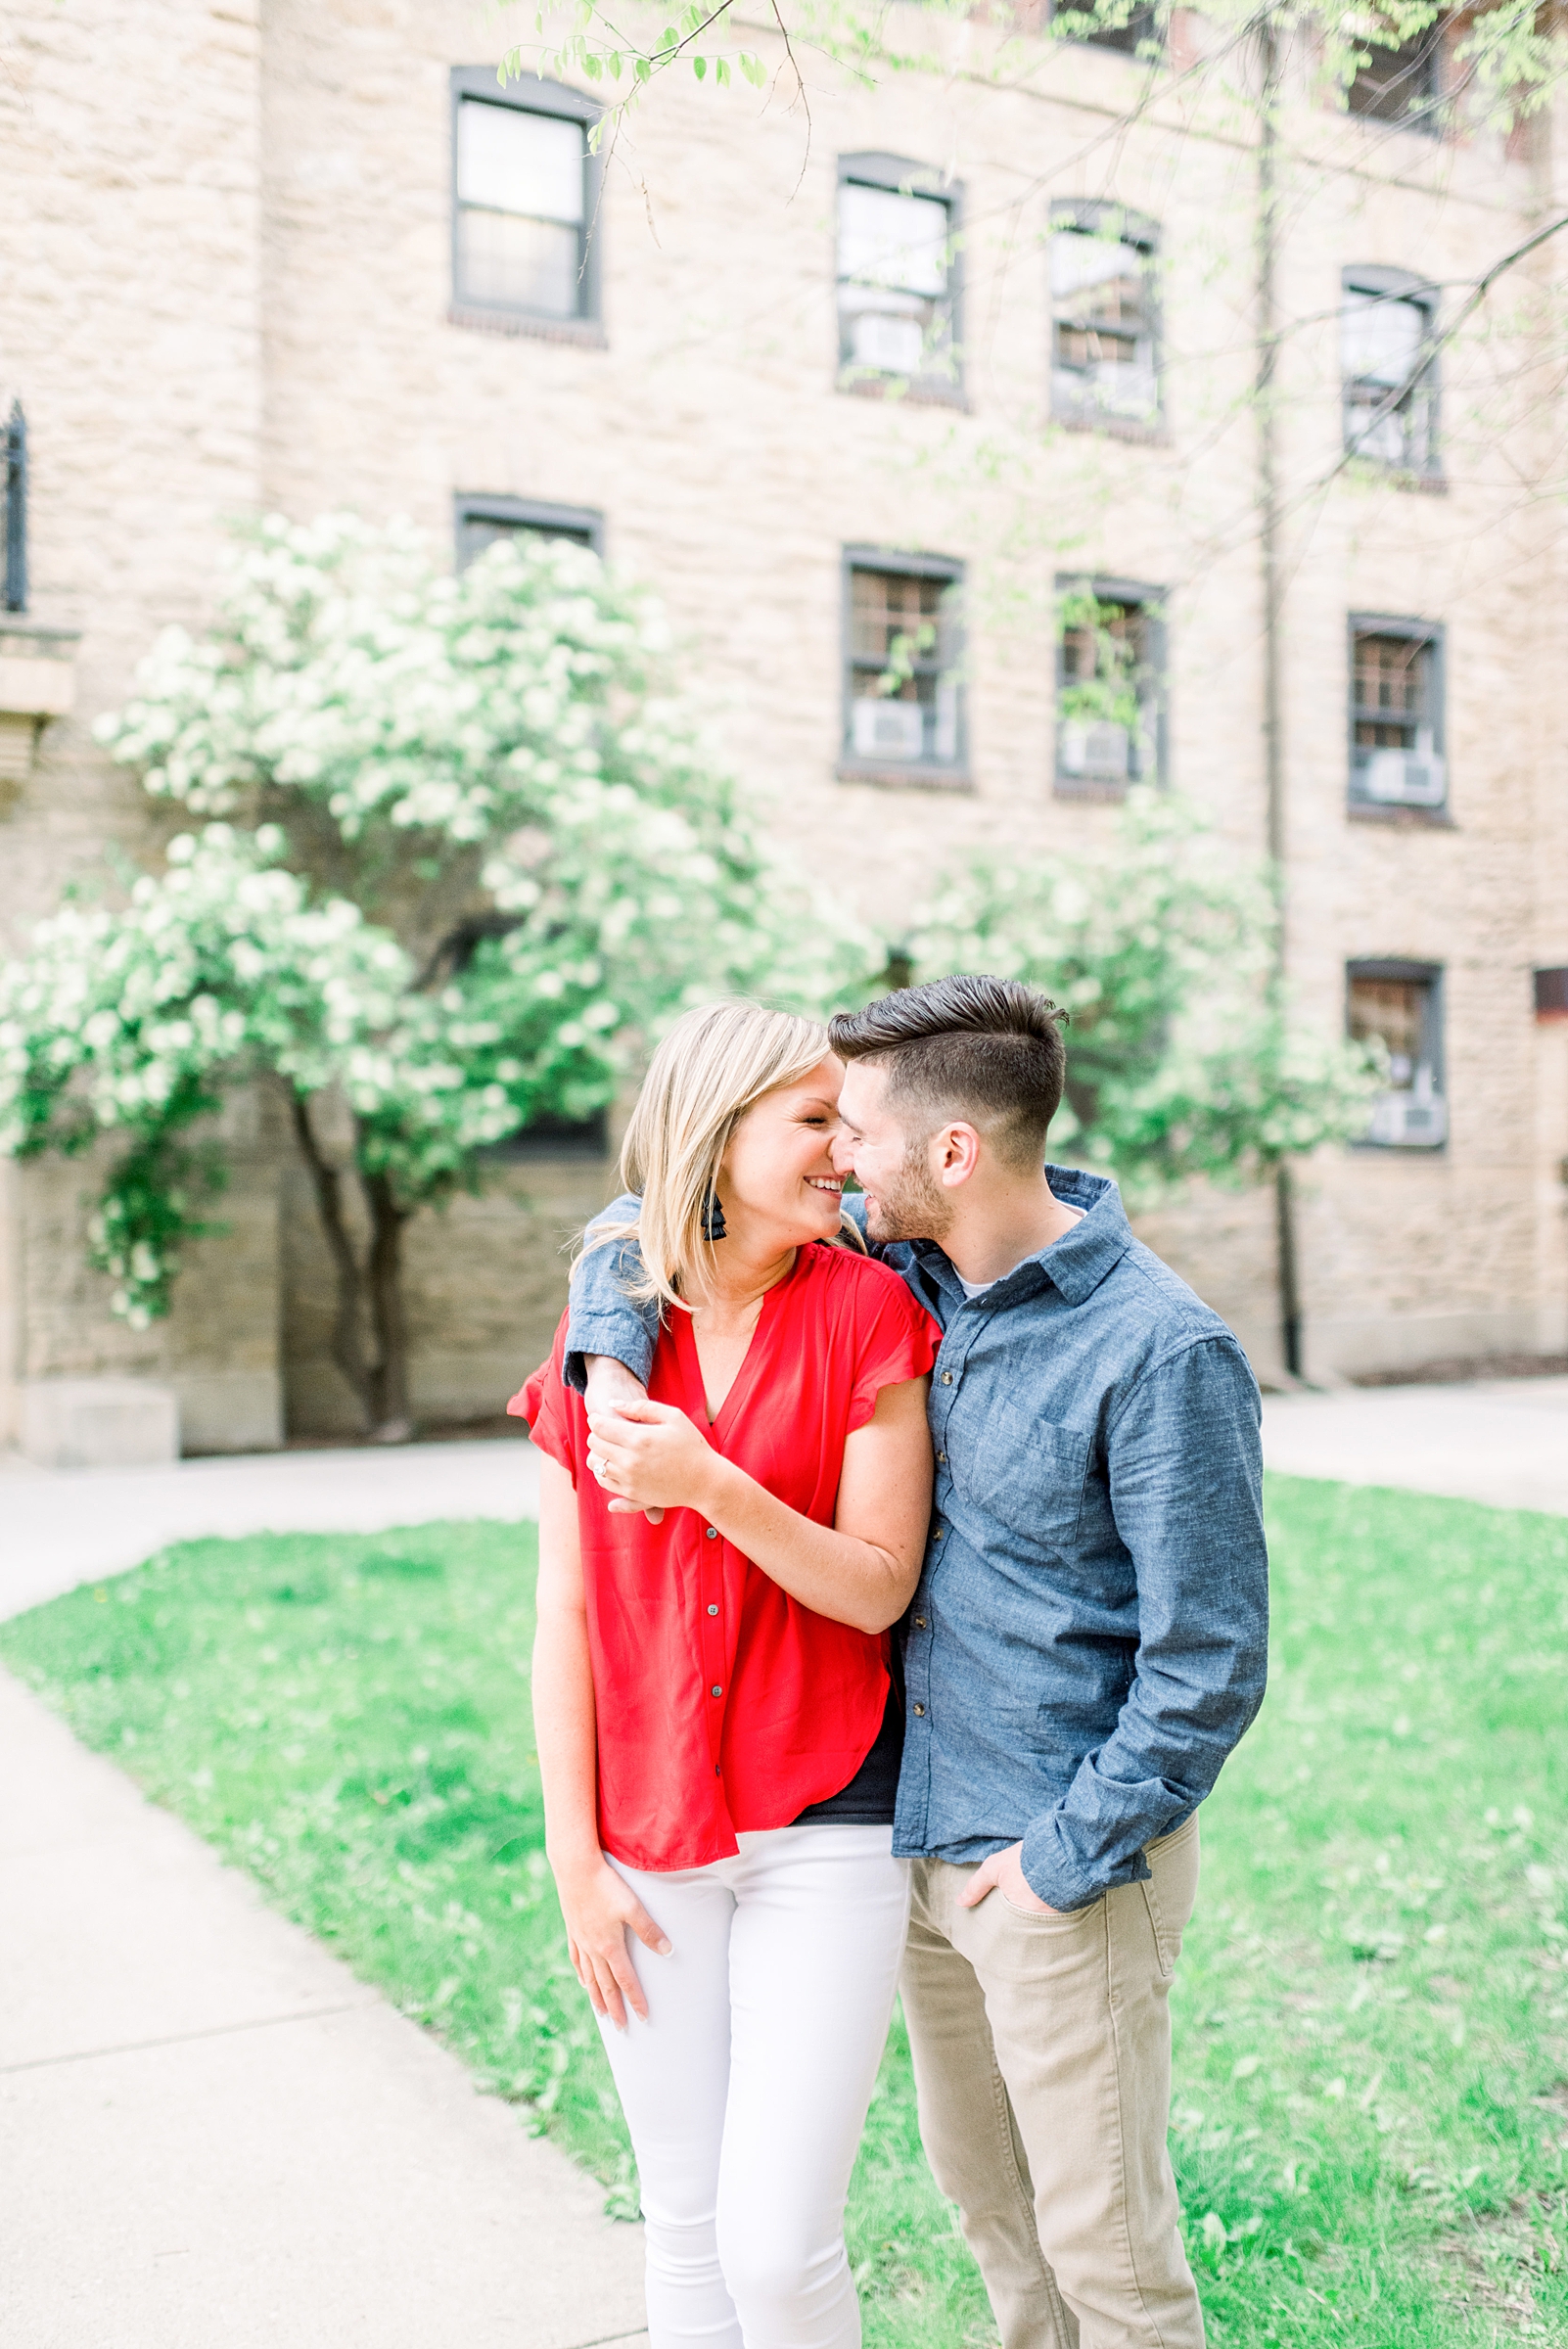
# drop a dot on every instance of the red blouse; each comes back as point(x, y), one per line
point(723, 1704)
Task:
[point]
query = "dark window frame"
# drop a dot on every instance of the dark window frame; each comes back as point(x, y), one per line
point(1433, 636)
point(583, 524)
point(1423, 110)
point(856, 766)
point(1550, 990)
point(478, 83)
point(554, 1141)
point(1124, 40)
point(1150, 601)
point(1397, 285)
point(1092, 217)
point(1402, 971)
point(900, 175)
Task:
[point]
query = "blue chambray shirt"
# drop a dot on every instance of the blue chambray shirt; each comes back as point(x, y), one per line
point(1088, 1638)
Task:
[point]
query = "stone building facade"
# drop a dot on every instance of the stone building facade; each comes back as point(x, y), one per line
point(991, 326)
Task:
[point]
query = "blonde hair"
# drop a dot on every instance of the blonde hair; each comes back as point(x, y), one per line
point(714, 1063)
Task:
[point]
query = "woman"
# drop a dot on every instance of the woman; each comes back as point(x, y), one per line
point(717, 1733)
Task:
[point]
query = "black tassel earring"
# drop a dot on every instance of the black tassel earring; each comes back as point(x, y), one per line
point(712, 1216)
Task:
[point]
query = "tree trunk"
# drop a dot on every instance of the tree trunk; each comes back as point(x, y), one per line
point(368, 1293)
point(385, 1271)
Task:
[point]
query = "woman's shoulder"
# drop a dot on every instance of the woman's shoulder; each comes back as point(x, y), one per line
point(868, 1325)
point(849, 1278)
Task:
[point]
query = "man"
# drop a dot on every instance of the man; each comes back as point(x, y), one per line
point(1086, 1647)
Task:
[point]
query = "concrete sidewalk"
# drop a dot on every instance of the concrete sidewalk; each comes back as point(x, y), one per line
point(215, 2138)
point(61, 1526)
point(1501, 1441)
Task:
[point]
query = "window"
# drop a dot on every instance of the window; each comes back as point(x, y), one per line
point(555, 1137)
point(1104, 344)
point(1387, 325)
point(1110, 674)
point(1400, 1004)
point(1403, 84)
point(525, 194)
point(480, 521)
point(903, 698)
point(1396, 714)
point(1084, 24)
point(1551, 992)
point(898, 274)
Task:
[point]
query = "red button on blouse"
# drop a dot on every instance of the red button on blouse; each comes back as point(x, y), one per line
point(723, 1704)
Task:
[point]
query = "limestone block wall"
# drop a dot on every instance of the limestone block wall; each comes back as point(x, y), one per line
point(130, 329)
point(218, 1350)
point(485, 1284)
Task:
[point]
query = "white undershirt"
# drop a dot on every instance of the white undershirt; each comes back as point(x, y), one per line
point(977, 1288)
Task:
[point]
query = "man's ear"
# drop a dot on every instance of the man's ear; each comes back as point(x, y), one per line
point(957, 1151)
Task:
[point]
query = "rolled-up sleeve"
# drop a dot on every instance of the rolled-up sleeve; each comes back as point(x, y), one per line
point(603, 1319)
point(1184, 1467)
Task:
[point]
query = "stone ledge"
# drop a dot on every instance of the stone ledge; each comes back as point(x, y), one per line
point(37, 682)
point(892, 777)
point(98, 1423)
point(586, 333)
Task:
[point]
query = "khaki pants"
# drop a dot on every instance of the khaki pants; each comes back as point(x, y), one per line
point(1042, 2065)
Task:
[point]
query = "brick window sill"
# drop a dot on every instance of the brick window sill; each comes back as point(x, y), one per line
point(905, 391)
point(903, 778)
point(587, 333)
point(1402, 819)
point(1086, 787)
point(1397, 477)
point(1117, 427)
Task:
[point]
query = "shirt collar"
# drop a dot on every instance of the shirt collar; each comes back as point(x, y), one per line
point(1078, 1261)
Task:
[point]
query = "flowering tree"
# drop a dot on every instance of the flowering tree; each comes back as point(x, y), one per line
point(459, 859)
point(464, 857)
point(1181, 1058)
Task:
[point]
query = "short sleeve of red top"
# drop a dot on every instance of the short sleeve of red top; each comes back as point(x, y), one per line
point(723, 1704)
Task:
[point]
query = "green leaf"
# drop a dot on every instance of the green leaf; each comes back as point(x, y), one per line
point(670, 39)
point(722, 71)
point(644, 68)
point(699, 66)
point(752, 68)
point(593, 68)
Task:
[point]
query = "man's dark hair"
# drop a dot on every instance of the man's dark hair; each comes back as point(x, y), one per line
point(989, 1050)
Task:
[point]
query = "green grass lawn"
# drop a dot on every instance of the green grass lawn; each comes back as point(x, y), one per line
point(1371, 2108)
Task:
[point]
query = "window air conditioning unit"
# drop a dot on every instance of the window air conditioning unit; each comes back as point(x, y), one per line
point(1100, 752)
point(1417, 1121)
point(888, 729)
point(1404, 779)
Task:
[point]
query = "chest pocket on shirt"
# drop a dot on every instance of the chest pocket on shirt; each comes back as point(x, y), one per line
point(1030, 1473)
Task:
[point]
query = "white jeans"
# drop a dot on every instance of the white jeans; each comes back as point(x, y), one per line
point(746, 2089)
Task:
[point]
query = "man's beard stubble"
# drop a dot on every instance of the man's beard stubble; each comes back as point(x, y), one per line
point(915, 1207)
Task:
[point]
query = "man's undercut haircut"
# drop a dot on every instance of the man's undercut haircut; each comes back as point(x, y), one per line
point(989, 1051)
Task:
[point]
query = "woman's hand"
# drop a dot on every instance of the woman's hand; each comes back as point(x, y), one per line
point(600, 1909)
point(651, 1455)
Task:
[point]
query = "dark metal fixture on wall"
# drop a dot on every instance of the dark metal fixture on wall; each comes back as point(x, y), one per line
point(17, 510)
